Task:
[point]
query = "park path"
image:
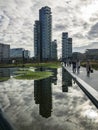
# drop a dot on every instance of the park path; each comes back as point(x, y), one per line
point(92, 80)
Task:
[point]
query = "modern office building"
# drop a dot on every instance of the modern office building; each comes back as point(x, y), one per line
point(19, 53)
point(45, 19)
point(4, 53)
point(26, 54)
point(66, 46)
point(37, 42)
point(54, 50)
point(91, 54)
point(16, 53)
point(69, 47)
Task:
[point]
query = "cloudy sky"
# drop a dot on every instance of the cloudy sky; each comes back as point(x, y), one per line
point(77, 17)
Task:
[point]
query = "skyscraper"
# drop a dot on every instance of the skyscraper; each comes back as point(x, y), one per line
point(66, 46)
point(69, 47)
point(45, 19)
point(54, 50)
point(37, 42)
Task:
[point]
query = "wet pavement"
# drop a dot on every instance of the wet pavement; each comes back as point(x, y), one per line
point(92, 80)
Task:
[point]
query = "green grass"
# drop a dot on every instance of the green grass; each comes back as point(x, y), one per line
point(29, 75)
point(3, 79)
point(47, 65)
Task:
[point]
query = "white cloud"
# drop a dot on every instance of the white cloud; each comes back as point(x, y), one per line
point(76, 17)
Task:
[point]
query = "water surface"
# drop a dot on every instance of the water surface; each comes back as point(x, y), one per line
point(53, 103)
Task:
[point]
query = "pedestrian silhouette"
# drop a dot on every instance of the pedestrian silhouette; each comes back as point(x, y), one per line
point(88, 68)
point(74, 66)
point(78, 66)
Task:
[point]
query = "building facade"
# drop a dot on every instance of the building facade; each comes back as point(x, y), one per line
point(69, 47)
point(66, 46)
point(4, 53)
point(42, 35)
point(16, 53)
point(19, 53)
point(37, 42)
point(91, 54)
point(26, 54)
point(54, 50)
point(45, 19)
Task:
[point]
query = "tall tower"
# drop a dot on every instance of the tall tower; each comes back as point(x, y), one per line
point(64, 45)
point(45, 19)
point(69, 47)
point(54, 50)
point(37, 43)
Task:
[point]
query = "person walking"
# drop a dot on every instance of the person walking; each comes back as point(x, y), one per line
point(88, 68)
point(78, 66)
point(74, 66)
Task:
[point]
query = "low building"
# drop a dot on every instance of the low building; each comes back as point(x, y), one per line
point(92, 54)
point(16, 53)
point(4, 53)
point(26, 54)
point(19, 54)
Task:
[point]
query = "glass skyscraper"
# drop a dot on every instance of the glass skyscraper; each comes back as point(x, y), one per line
point(42, 36)
point(66, 46)
point(37, 42)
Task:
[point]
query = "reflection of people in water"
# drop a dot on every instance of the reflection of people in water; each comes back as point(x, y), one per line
point(43, 96)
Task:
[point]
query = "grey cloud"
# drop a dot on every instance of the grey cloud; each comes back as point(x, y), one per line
point(86, 25)
point(61, 9)
point(85, 2)
point(1, 18)
point(94, 18)
point(59, 27)
point(79, 22)
point(17, 18)
point(93, 33)
point(84, 47)
point(78, 35)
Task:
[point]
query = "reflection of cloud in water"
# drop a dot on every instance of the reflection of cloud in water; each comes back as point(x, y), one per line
point(91, 114)
point(70, 110)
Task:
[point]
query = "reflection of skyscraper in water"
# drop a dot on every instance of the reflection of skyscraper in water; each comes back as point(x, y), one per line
point(66, 80)
point(43, 96)
point(54, 77)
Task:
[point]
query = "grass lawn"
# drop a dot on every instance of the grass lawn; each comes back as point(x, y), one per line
point(32, 75)
point(47, 64)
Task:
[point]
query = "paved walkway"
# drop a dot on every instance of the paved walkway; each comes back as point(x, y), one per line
point(92, 80)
